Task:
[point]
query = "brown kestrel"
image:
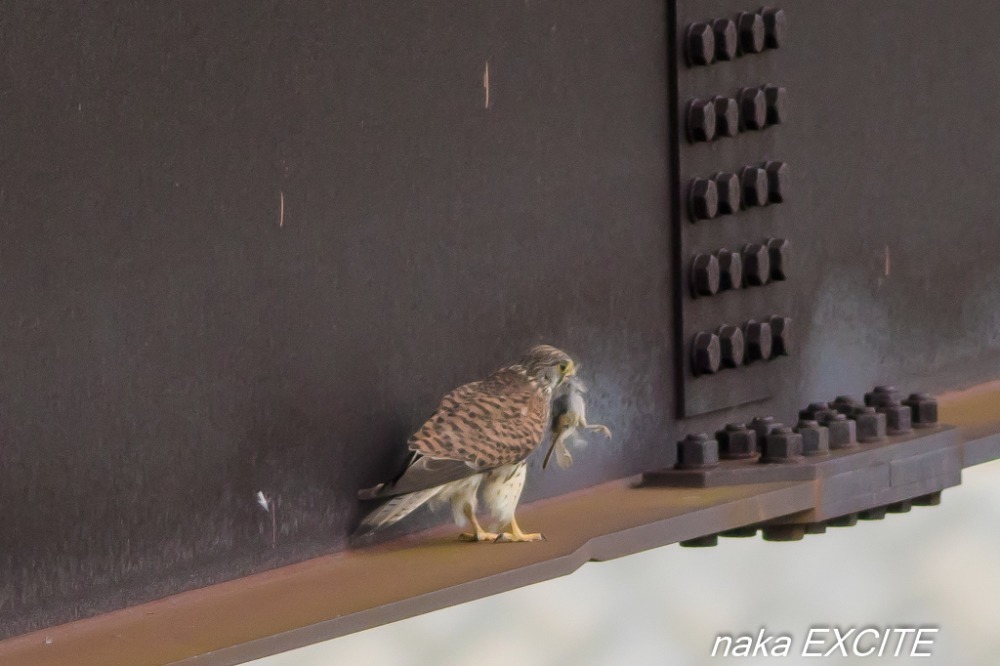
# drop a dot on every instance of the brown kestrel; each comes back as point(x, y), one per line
point(479, 436)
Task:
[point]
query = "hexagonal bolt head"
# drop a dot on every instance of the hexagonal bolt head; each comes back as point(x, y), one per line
point(778, 251)
point(727, 116)
point(762, 425)
point(737, 442)
point(731, 342)
point(898, 418)
point(774, 27)
point(845, 404)
point(700, 120)
point(878, 513)
point(776, 105)
point(697, 451)
point(777, 181)
point(843, 431)
point(782, 445)
point(729, 191)
point(815, 438)
point(753, 109)
point(759, 341)
point(726, 38)
point(752, 31)
point(699, 44)
point(881, 395)
point(816, 410)
point(703, 199)
point(755, 186)
point(923, 410)
point(705, 275)
point(706, 354)
point(871, 424)
point(781, 335)
point(730, 269)
point(848, 520)
point(756, 264)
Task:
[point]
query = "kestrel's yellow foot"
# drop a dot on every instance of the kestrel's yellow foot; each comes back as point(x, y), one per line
point(516, 534)
point(481, 535)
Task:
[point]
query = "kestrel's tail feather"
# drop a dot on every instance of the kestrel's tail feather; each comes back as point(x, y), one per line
point(395, 510)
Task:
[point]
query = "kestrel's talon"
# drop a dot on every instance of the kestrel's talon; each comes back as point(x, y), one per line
point(507, 537)
point(478, 537)
point(604, 430)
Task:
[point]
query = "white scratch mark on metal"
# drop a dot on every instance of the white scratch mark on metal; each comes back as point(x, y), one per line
point(486, 84)
point(281, 212)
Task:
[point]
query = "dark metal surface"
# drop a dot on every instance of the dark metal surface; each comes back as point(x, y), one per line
point(248, 249)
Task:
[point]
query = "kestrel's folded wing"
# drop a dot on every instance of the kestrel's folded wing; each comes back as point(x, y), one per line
point(489, 423)
point(421, 473)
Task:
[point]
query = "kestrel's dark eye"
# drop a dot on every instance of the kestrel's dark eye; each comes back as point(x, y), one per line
point(563, 366)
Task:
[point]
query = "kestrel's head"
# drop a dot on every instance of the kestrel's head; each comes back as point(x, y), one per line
point(549, 366)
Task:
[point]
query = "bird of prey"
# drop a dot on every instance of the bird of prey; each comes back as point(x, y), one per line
point(569, 417)
point(479, 437)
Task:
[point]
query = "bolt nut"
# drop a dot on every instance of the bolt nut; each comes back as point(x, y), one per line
point(762, 425)
point(737, 442)
point(923, 409)
point(727, 186)
point(778, 251)
point(705, 275)
point(775, 103)
point(730, 269)
point(774, 27)
point(703, 199)
point(700, 120)
point(752, 31)
point(756, 264)
point(815, 438)
point(777, 181)
point(707, 354)
point(753, 108)
point(727, 116)
point(781, 335)
point(726, 38)
point(699, 44)
point(880, 396)
point(731, 342)
point(816, 411)
point(758, 337)
point(782, 445)
point(897, 418)
point(845, 404)
point(697, 451)
point(871, 424)
point(755, 186)
point(843, 431)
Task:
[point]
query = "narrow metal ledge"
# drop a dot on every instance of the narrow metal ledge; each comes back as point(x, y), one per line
point(339, 594)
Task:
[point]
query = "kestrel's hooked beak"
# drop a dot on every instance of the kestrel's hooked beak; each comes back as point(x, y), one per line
point(568, 371)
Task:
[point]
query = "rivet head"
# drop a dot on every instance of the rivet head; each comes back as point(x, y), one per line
point(700, 44)
point(775, 104)
point(700, 121)
point(758, 340)
point(755, 186)
point(778, 251)
point(705, 275)
point(753, 108)
point(774, 27)
point(707, 354)
point(756, 264)
point(731, 344)
point(777, 181)
point(752, 31)
point(703, 199)
point(726, 38)
point(730, 270)
point(729, 192)
point(727, 116)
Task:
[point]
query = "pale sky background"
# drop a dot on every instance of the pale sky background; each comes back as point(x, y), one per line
point(931, 566)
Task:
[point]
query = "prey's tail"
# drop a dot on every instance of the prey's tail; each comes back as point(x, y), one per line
point(393, 511)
